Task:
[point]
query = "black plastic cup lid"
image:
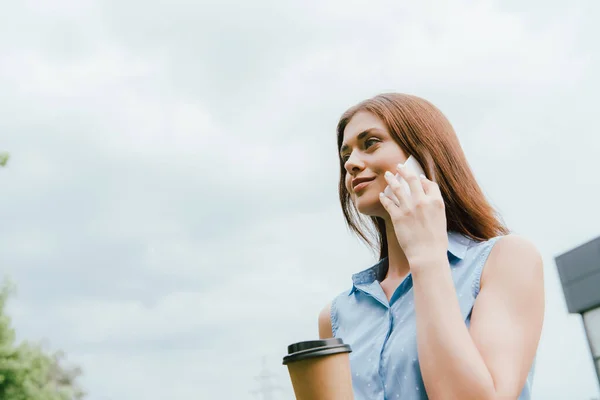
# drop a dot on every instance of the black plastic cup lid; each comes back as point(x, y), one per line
point(315, 348)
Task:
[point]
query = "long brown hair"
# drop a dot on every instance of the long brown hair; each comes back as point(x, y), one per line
point(424, 132)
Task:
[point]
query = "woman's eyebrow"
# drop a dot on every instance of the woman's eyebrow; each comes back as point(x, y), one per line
point(360, 136)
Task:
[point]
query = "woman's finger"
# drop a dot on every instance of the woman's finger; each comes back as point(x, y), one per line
point(432, 189)
point(397, 189)
point(429, 187)
point(413, 181)
point(388, 204)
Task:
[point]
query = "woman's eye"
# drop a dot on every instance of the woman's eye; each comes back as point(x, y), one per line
point(370, 142)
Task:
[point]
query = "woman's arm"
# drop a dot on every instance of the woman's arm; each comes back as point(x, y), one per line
point(490, 360)
point(325, 330)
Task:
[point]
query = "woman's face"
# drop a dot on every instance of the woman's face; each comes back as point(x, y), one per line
point(368, 151)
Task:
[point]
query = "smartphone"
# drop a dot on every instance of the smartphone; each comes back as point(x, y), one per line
point(413, 165)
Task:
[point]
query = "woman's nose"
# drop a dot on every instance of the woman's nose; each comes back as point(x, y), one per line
point(354, 164)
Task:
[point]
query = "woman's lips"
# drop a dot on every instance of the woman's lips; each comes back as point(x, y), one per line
point(362, 185)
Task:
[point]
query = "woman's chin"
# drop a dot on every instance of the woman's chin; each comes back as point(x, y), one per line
point(369, 207)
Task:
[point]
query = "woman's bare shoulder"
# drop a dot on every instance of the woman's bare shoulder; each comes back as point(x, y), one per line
point(513, 257)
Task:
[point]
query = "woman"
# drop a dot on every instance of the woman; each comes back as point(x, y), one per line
point(454, 308)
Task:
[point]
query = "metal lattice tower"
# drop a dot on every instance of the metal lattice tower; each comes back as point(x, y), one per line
point(266, 387)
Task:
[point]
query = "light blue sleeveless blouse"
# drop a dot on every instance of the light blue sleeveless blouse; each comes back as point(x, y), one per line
point(382, 334)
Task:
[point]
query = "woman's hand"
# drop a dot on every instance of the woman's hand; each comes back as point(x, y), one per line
point(419, 219)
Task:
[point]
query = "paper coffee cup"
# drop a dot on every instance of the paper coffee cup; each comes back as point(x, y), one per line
point(320, 369)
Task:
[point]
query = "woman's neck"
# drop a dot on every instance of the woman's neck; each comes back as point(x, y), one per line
point(398, 264)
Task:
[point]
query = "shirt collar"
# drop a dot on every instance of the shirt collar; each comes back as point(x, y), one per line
point(458, 245)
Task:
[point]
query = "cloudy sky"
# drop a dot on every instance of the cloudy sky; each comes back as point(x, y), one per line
point(170, 212)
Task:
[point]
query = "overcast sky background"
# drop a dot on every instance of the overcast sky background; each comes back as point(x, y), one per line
point(170, 210)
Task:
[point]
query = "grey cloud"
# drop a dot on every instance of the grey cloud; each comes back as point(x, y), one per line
point(105, 220)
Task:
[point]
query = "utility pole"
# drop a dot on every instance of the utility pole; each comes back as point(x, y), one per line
point(266, 388)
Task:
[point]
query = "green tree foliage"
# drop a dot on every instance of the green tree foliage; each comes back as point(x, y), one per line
point(4, 156)
point(27, 372)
